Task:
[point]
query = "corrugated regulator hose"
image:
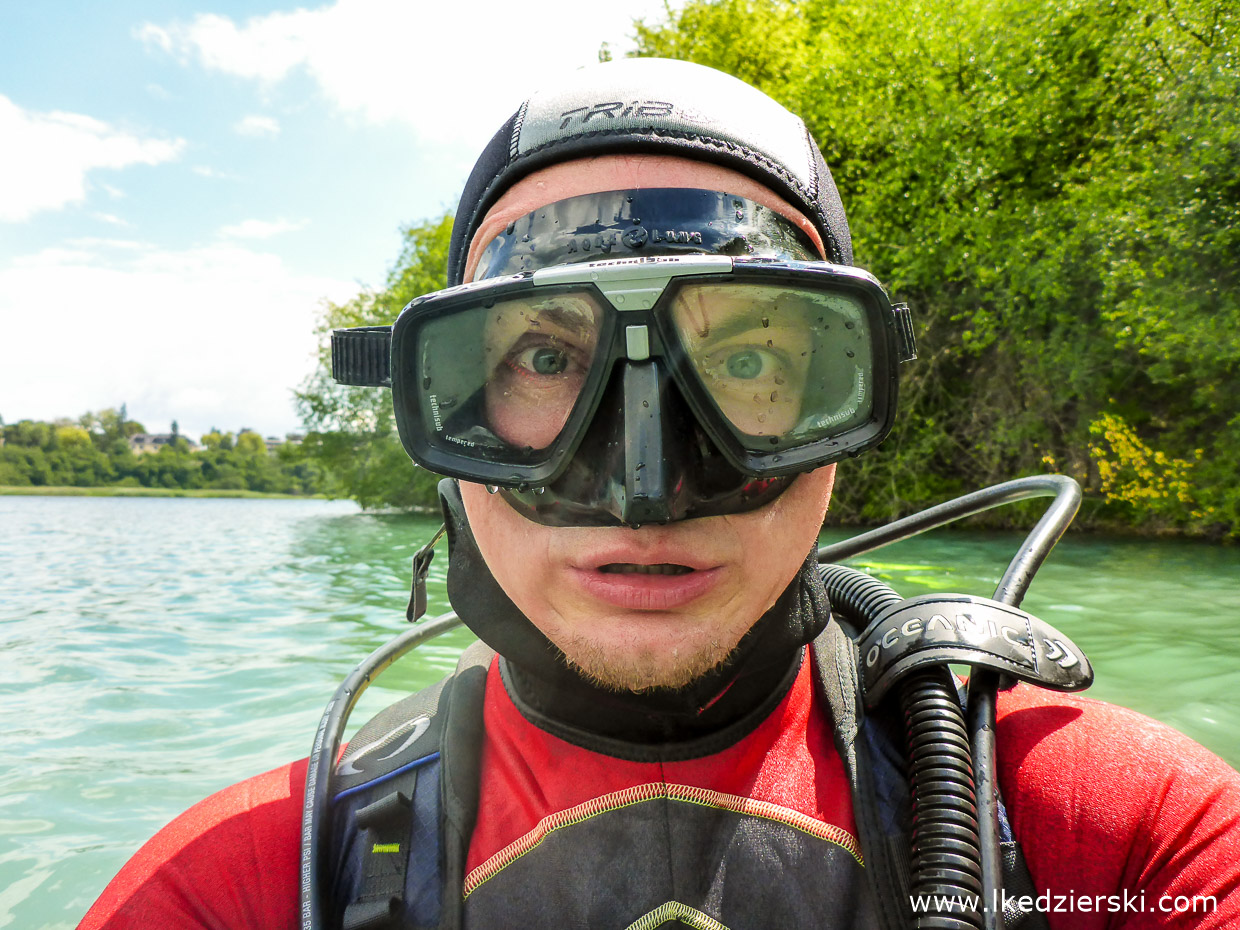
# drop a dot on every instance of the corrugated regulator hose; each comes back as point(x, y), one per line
point(946, 858)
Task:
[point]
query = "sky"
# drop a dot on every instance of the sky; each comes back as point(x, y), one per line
point(182, 185)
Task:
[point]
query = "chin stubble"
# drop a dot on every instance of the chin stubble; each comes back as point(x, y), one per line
point(648, 671)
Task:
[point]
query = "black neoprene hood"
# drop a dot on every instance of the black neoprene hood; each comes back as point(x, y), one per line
point(655, 106)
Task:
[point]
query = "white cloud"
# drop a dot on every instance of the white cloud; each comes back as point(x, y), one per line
point(453, 72)
point(46, 157)
point(111, 218)
point(261, 229)
point(206, 171)
point(257, 126)
point(215, 335)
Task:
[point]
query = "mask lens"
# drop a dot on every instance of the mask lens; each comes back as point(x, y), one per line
point(500, 381)
point(783, 365)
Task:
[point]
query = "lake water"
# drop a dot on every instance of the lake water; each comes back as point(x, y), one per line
point(156, 650)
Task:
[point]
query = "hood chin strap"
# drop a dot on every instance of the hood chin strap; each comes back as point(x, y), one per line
point(547, 682)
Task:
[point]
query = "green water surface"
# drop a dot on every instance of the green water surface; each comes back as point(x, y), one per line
point(157, 650)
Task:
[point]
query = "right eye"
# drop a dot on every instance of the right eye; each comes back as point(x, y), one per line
point(540, 360)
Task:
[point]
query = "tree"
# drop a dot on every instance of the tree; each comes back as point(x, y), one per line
point(1053, 188)
point(352, 430)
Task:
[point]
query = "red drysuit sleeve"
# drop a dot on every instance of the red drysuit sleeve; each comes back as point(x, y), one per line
point(228, 863)
point(1113, 807)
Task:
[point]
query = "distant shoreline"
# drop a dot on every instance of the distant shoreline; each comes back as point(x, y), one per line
point(73, 491)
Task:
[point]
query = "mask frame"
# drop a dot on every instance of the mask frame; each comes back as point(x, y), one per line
point(636, 329)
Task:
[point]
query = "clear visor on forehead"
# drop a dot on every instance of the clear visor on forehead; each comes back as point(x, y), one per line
point(786, 365)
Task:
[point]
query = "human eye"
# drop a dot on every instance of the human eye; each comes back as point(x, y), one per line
point(536, 358)
point(740, 364)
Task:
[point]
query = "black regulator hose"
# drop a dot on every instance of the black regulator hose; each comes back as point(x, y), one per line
point(946, 846)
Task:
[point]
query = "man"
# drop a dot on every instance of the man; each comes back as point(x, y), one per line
point(644, 453)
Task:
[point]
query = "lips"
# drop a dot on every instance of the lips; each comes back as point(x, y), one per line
point(646, 580)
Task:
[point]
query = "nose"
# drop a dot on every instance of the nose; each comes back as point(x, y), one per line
point(644, 459)
point(648, 456)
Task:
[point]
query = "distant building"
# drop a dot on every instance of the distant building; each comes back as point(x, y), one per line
point(290, 439)
point(145, 443)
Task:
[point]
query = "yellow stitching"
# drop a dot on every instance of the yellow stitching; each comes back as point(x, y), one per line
point(674, 910)
point(654, 791)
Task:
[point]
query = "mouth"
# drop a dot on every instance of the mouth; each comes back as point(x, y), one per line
point(632, 568)
point(652, 585)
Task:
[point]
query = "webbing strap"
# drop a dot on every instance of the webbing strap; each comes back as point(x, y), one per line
point(380, 902)
point(1017, 884)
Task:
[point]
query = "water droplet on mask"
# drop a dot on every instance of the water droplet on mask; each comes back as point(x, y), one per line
point(619, 298)
point(774, 440)
point(426, 383)
point(740, 214)
point(770, 343)
point(512, 228)
point(850, 353)
point(766, 322)
point(780, 381)
point(849, 324)
point(525, 238)
point(757, 398)
point(492, 488)
point(762, 418)
point(645, 403)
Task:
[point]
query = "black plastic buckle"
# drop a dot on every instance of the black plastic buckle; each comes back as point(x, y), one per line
point(363, 356)
point(904, 332)
point(421, 568)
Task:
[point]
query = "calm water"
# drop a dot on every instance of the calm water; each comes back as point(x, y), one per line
point(156, 650)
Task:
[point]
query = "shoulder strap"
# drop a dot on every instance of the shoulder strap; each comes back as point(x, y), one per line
point(462, 763)
point(403, 812)
point(872, 752)
point(883, 842)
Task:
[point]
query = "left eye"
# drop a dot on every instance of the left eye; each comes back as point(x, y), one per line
point(746, 364)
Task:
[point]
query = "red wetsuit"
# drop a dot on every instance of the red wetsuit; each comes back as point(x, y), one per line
point(1113, 810)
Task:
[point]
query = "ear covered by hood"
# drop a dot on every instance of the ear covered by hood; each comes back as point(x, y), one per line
point(547, 682)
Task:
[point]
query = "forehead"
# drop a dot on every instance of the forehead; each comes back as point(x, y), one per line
point(621, 172)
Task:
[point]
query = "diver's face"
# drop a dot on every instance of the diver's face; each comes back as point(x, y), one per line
point(661, 605)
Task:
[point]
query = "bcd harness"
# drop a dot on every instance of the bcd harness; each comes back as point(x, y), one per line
point(407, 793)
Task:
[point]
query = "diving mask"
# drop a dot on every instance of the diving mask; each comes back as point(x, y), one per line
point(640, 389)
